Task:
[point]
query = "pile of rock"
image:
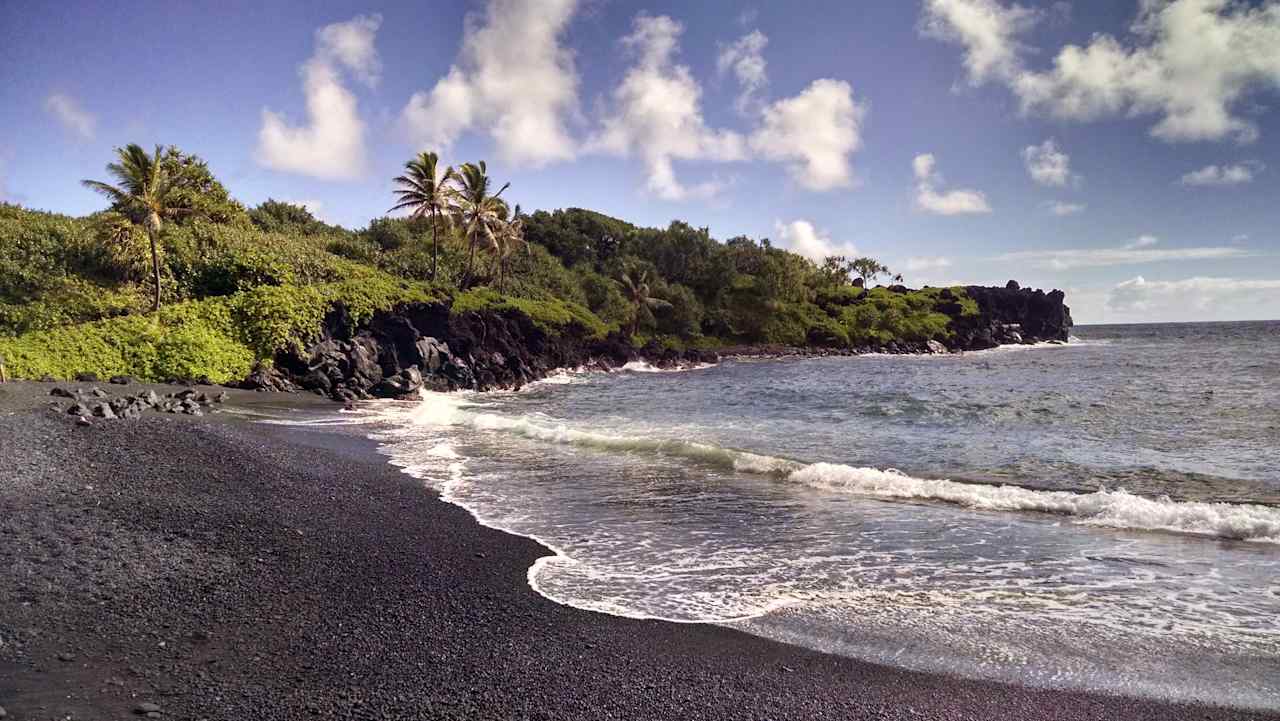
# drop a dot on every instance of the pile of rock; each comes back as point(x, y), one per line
point(97, 403)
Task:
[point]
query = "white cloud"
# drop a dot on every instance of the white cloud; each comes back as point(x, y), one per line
point(1136, 252)
point(1223, 174)
point(951, 202)
point(1060, 208)
point(745, 58)
point(987, 29)
point(67, 110)
point(1191, 63)
point(513, 78)
point(814, 133)
point(315, 207)
point(1240, 238)
point(923, 263)
point(658, 113)
point(1142, 241)
point(1197, 297)
point(331, 146)
point(1047, 164)
point(800, 236)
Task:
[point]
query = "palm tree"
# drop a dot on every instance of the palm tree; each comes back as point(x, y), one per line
point(480, 214)
point(508, 239)
point(428, 194)
point(147, 195)
point(636, 287)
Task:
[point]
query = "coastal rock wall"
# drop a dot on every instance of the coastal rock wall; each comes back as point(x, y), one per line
point(425, 346)
point(421, 346)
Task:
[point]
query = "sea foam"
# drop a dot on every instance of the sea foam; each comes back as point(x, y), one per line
point(1110, 508)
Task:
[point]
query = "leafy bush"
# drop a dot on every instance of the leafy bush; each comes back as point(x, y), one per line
point(603, 297)
point(551, 315)
point(683, 317)
point(70, 300)
point(884, 316)
point(189, 341)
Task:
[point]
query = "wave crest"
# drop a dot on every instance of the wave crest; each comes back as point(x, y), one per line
point(1113, 509)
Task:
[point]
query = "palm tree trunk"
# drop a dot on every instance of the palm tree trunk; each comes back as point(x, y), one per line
point(155, 270)
point(471, 261)
point(435, 245)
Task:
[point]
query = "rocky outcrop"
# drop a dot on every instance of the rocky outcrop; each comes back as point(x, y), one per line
point(424, 346)
point(96, 402)
point(1011, 315)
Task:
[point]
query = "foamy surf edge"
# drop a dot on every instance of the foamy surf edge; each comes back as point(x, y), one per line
point(456, 465)
point(1117, 509)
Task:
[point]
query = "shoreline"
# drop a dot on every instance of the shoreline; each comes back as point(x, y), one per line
point(222, 569)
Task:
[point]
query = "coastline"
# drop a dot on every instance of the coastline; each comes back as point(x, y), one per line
point(222, 569)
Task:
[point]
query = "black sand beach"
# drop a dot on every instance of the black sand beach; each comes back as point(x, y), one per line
point(225, 570)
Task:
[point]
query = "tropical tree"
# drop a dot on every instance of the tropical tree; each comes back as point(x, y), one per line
point(427, 193)
point(868, 269)
point(508, 239)
point(480, 214)
point(635, 286)
point(146, 196)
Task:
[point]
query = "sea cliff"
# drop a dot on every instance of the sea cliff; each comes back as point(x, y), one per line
point(428, 345)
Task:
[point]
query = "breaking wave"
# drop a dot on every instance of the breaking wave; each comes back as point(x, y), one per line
point(1110, 508)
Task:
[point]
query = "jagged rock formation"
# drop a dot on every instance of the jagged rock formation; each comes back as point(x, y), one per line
point(425, 346)
point(1012, 315)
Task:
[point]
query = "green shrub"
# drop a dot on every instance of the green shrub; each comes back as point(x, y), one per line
point(552, 316)
point(603, 297)
point(683, 317)
point(885, 316)
point(189, 341)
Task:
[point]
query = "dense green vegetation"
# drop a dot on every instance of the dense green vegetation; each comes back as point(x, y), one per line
point(175, 279)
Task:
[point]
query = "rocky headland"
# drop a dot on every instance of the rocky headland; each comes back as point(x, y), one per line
point(425, 346)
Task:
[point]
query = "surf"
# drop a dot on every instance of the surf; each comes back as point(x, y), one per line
point(1117, 509)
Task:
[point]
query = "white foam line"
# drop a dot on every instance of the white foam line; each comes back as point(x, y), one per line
point(558, 554)
point(639, 366)
point(1114, 509)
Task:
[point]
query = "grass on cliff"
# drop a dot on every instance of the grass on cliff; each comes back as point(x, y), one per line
point(220, 339)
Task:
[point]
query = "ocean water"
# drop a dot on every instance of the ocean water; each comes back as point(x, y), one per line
point(1103, 514)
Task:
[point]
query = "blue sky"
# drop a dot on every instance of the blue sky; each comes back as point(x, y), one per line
point(1127, 152)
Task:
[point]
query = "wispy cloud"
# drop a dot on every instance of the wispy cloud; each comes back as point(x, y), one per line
point(1136, 252)
point(802, 237)
point(922, 263)
point(331, 146)
point(951, 202)
point(1234, 47)
point(1223, 174)
point(1142, 241)
point(745, 58)
point(1048, 165)
point(513, 78)
point(1222, 295)
point(68, 111)
point(1061, 208)
point(657, 114)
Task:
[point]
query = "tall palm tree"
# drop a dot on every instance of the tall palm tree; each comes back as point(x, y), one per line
point(508, 239)
point(480, 214)
point(428, 194)
point(635, 285)
point(146, 195)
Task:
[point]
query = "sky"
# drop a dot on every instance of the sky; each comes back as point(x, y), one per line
point(1127, 152)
